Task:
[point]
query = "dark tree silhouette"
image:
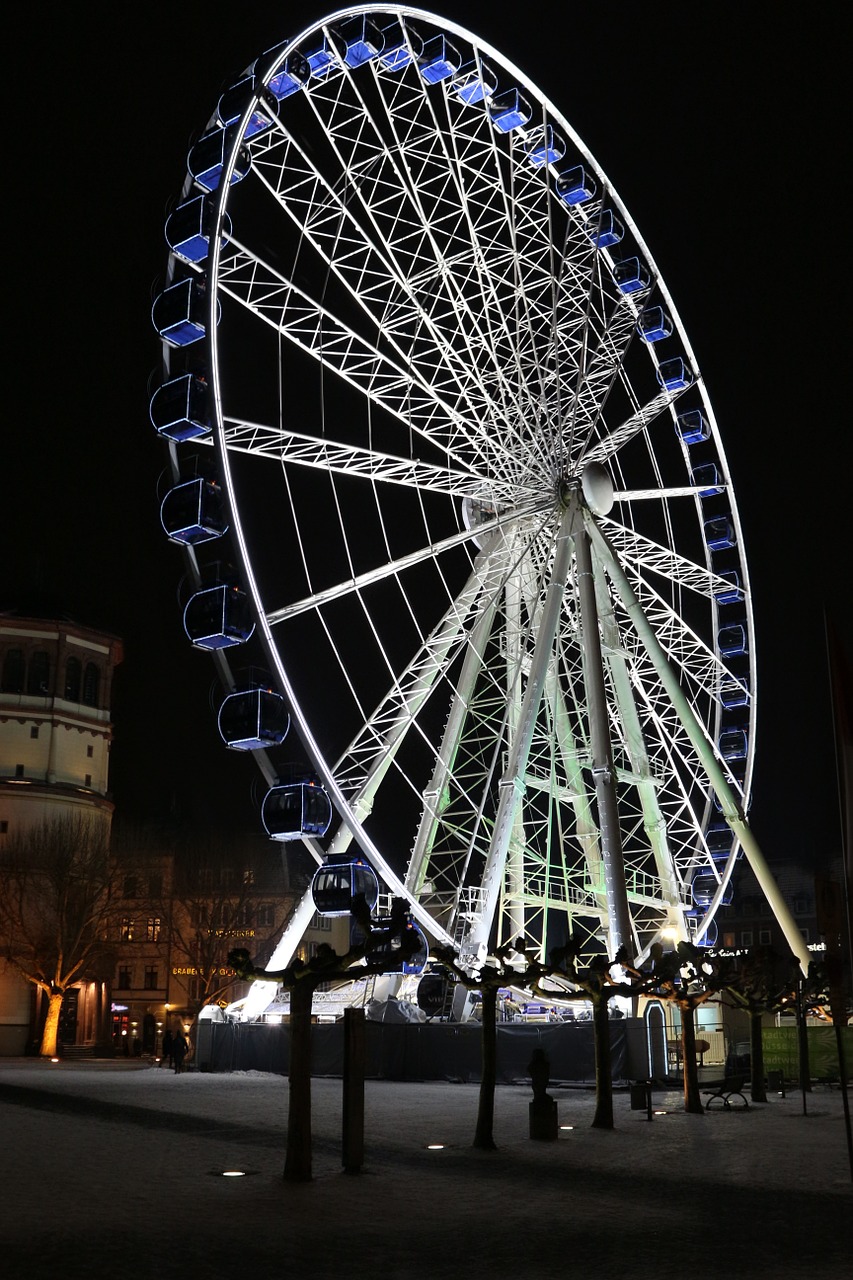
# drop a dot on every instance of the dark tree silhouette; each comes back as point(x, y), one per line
point(381, 950)
point(759, 982)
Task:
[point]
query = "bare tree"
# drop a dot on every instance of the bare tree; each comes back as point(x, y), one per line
point(56, 911)
point(760, 982)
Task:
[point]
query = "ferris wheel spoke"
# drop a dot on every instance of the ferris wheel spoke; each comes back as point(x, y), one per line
point(361, 463)
point(677, 491)
point(395, 567)
point(611, 441)
point(646, 555)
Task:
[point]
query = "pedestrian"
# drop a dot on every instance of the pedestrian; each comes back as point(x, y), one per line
point(168, 1047)
point(179, 1051)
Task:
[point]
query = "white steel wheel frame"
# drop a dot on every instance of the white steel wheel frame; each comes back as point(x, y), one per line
point(426, 587)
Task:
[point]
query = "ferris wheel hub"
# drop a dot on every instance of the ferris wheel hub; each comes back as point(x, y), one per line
point(597, 489)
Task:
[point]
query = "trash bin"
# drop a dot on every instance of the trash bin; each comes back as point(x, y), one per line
point(641, 1096)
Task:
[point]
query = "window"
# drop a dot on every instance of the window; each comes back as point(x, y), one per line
point(34, 731)
point(729, 940)
point(87, 781)
point(155, 884)
point(91, 683)
point(764, 937)
point(127, 929)
point(38, 674)
point(19, 771)
point(800, 905)
point(265, 915)
point(151, 976)
point(248, 877)
point(323, 923)
point(153, 929)
point(131, 889)
point(196, 990)
point(124, 978)
point(4, 827)
point(13, 671)
point(90, 751)
point(746, 938)
point(73, 675)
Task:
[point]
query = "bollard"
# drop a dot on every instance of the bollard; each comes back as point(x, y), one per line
point(542, 1111)
point(641, 1097)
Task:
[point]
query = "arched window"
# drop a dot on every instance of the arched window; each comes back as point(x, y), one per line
point(38, 674)
point(73, 674)
point(91, 683)
point(13, 671)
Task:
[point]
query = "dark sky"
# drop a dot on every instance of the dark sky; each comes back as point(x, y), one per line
point(718, 124)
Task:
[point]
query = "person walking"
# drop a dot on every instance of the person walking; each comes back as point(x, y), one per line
point(179, 1051)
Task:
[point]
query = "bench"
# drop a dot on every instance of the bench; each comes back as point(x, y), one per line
point(726, 1089)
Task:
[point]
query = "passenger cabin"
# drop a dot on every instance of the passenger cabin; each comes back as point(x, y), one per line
point(694, 920)
point(339, 881)
point(188, 229)
point(607, 231)
point(397, 52)
point(731, 593)
point(218, 617)
point(358, 40)
point(719, 838)
point(692, 427)
point(439, 60)
point(193, 512)
point(180, 409)
point(675, 375)
point(293, 75)
point(234, 102)
point(179, 313)
point(706, 478)
point(475, 84)
point(704, 885)
point(631, 275)
point(321, 57)
point(544, 146)
point(253, 719)
point(654, 325)
point(733, 744)
point(296, 809)
point(413, 938)
point(209, 156)
point(719, 533)
point(732, 640)
point(509, 111)
point(575, 186)
point(734, 693)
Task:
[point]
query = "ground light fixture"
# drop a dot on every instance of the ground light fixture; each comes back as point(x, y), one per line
point(565, 1127)
point(435, 1146)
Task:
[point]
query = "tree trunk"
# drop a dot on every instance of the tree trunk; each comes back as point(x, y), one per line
point(756, 1058)
point(692, 1097)
point(51, 1026)
point(484, 1137)
point(603, 1118)
point(297, 1165)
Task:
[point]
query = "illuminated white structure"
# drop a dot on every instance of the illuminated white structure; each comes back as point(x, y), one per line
point(508, 605)
point(55, 735)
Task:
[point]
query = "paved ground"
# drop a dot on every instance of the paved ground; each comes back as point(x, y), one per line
point(113, 1169)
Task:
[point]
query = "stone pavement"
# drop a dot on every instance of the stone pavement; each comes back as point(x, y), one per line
point(113, 1168)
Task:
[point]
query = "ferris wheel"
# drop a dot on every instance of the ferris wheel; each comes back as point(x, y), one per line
point(484, 528)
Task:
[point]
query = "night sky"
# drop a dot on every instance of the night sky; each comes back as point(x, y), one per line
point(719, 126)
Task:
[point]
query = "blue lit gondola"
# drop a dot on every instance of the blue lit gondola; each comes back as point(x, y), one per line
point(654, 325)
point(709, 937)
point(218, 617)
point(359, 40)
point(575, 186)
point(321, 56)
point(607, 231)
point(180, 409)
point(544, 146)
point(692, 427)
point(719, 533)
point(193, 512)
point(439, 60)
point(733, 744)
point(631, 275)
point(398, 52)
point(418, 957)
point(704, 885)
point(732, 640)
point(675, 375)
point(475, 84)
point(252, 719)
point(706, 478)
point(208, 158)
point(509, 111)
point(179, 314)
point(292, 75)
point(339, 881)
point(296, 809)
point(732, 592)
point(188, 229)
point(734, 693)
point(719, 839)
point(234, 101)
